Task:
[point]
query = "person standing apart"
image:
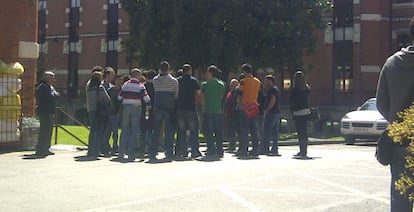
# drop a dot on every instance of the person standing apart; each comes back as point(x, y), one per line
point(271, 113)
point(46, 103)
point(299, 105)
point(212, 97)
point(249, 110)
point(396, 79)
point(165, 96)
point(188, 96)
point(96, 96)
point(132, 94)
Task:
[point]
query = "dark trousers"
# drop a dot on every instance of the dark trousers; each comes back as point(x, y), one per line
point(213, 133)
point(167, 137)
point(45, 134)
point(187, 120)
point(399, 203)
point(248, 125)
point(301, 123)
point(93, 146)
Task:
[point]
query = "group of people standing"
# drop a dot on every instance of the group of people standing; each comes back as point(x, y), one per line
point(160, 112)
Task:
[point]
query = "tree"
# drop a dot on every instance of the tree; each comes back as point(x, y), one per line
point(265, 33)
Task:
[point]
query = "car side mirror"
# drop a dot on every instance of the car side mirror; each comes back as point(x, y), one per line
point(358, 108)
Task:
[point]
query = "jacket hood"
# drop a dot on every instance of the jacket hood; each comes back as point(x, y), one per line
point(405, 58)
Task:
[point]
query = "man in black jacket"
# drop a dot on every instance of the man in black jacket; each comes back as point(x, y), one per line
point(46, 103)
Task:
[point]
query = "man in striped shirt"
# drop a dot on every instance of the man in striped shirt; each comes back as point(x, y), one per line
point(165, 96)
point(132, 93)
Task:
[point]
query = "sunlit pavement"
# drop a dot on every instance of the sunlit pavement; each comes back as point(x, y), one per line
point(337, 178)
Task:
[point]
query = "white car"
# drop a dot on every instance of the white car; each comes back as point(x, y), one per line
point(364, 123)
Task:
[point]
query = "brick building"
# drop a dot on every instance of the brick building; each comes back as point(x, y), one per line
point(18, 25)
point(75, 35)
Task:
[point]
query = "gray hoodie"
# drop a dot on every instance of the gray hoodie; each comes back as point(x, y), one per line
point(395, 83)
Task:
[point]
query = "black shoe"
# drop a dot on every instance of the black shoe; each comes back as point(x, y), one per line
point(275, 154)
point(196, 155)
point(40, 155)
point(254, 153)
point(50, 153)
point(131, 159)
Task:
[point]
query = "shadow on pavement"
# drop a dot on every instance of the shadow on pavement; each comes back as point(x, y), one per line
point(85, 158)
point(208, 159)
point(305, 158)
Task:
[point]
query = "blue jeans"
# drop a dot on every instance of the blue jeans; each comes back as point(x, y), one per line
point(398, 203)
point(248, 125)
point(271, 132)
point(188, 120)
point(93, 147)
point(213, 133)
point(159, 117)
point(131, 118)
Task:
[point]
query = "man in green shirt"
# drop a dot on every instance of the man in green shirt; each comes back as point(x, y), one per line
point(212, 92)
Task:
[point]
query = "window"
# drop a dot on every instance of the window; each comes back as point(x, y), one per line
point(43, 48)
point(343, 82)
point(344, 33)
point(42, 5)
point(113, 1)
point(75, 3)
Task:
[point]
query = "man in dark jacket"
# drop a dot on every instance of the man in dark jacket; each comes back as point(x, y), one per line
point(46, 103)
point(395, 83)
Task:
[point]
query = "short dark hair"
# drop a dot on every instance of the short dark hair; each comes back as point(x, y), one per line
point(107, 70)
point(215, 72)
point(271, 78)
point(241, 76)
point(187, 68)
point(96, 68)
point(150, 74)
point(165, 65)
point(247, 68)
point(412, 28)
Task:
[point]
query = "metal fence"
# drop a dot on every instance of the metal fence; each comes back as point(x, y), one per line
point(10, 110)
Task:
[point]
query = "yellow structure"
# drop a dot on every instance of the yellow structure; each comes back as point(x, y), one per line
point(10, 102)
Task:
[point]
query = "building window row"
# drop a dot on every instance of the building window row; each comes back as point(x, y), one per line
point(75, 3)
point(111, 45)
point(42, 5)
point(72, 47)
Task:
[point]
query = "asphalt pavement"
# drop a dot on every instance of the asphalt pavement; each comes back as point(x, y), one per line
point(336, 178)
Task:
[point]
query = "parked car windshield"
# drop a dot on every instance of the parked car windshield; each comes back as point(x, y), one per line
point(371, 105)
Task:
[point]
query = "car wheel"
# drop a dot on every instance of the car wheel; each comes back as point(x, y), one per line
point(349, 140)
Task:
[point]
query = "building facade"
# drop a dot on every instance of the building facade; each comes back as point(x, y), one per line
point(76, 35)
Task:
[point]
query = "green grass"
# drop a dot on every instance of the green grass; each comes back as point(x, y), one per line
point(65, 138)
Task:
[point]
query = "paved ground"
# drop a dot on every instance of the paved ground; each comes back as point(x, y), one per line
point(339, 178)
